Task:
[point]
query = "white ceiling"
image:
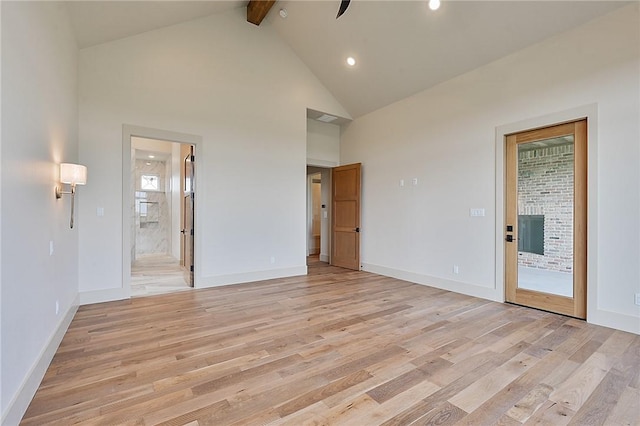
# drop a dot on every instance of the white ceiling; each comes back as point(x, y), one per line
point(401, 47)
point(98, 22)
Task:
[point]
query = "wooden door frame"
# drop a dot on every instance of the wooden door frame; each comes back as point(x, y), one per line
point(576, 304)
point(590, 112)
point(191, 155)
point(129, 131)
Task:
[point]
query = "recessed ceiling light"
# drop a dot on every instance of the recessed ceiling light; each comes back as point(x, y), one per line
point(434, 4)
point(283, 13)
point(152, 156)
point(351, 61)
point(148, 163)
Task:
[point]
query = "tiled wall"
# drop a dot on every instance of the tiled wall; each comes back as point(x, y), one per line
point(152, 217)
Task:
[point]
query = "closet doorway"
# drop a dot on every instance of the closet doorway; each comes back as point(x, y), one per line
point(318, 213)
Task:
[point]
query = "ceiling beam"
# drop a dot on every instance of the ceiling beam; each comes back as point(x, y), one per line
point(257, 10)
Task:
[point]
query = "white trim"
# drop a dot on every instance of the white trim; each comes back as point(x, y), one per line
point(487, 292)
point(321, 163)
point(107, 295)
point(246, 277)
point(129, 130)
point(324, 257)
point(615, 320)
point(21, 400)
point(590, 112)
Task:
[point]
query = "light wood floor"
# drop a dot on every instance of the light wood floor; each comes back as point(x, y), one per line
point(335, 348)
point(158, 274)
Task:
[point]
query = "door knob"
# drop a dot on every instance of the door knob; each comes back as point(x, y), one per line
point(357, 229)
point(509, 238)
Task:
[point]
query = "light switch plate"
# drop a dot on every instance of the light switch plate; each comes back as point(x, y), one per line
point(477, 212)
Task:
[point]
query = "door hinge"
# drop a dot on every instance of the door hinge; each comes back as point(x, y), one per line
point(193, 158)
point(191, 268)
point(192, 233)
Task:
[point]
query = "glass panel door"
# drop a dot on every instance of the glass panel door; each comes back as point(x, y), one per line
point(545, 215)
point(545, 230)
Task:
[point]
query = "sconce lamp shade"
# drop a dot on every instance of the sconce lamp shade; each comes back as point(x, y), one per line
point(73, 174)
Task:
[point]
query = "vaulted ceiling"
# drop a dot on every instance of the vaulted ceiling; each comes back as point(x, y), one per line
point(400, 47)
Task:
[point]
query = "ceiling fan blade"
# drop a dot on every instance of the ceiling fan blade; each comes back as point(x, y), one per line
point(344, 4)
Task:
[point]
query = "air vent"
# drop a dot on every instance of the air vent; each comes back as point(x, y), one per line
point(326, 118)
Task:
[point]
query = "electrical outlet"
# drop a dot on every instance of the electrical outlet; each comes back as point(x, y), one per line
point(50, 248)
point(456, 269)
point(57, 307)
point(414, 181)
point(638, 299)
point(272, 260)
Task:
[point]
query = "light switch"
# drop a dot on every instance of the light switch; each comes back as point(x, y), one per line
point(414, 181)
point(100, 211)
point(401, 182)
point(476, 212)
point(324, 214)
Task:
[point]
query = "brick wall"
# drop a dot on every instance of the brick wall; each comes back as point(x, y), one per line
point(545, 187)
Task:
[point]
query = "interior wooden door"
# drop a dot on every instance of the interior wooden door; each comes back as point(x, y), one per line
point(546, 218)
point(345, 216)
point(188, 216)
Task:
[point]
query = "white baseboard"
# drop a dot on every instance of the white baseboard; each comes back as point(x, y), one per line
point(489, 293)
point(245, 277)
point(99, 296)
point(615, 320)
point(21, 400)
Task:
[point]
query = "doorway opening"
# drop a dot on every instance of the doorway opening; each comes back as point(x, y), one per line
point(545, 230)
point(318, 214)
point(162, 232)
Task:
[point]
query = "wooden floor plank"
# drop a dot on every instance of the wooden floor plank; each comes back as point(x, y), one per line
point(627, 410)
point(336, 347)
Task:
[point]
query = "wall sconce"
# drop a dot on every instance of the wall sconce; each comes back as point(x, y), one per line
point(71, 174)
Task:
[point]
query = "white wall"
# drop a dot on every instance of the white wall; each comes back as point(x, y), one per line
point(245, 93)
point(323, 144)
point(39, 131)
point(446, 137)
